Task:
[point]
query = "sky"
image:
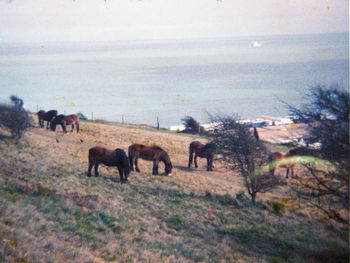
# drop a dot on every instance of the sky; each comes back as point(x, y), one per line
point(105, 20)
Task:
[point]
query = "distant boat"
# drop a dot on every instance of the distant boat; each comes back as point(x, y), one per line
point(255, 44)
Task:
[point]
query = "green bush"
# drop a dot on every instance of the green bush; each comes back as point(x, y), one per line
point(15, 119)
point(278, 208)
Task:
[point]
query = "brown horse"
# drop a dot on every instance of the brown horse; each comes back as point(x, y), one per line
point(46, 116)
point(65, 120)
point(202, 150)
point(149, 153)
point(275, 157)
point(98, 155)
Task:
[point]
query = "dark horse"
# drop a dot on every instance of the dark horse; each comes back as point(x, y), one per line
point(149, 153)
point(65, 120)
point(108, 157)
point(276, 157)
point(46, 116)
point(203, 151)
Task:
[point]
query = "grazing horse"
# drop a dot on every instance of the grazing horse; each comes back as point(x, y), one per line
point(98, 155)
point(203, 151)
point(289, 165)
point(149, 153)
point(65, 120)
point(276, 157)
point(46, 116)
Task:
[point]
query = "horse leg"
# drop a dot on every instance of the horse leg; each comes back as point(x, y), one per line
point(155, 167)
point(210, 159)
point(64, 128)
point(90, 167)
point(136, 167)
point(96, 170)
point(292, 171)
point(77, 127)
point(190, 158)
point(272, 171)
point(195, 161)
point(131, 162)
point(208, 164)
point(72, 128)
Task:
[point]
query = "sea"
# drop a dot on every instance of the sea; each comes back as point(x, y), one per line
point(141, 81)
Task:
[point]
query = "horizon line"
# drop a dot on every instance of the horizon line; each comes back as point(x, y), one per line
point(168, 39)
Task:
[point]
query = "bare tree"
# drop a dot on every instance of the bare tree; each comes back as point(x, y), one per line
point(238, 146)
point(327, 116)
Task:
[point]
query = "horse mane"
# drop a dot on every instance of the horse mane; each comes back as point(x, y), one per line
point(166, 158)
point(210, 145)
point(157, 148)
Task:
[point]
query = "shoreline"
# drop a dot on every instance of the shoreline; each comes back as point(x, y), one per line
point(280, 130)
point(275, 130)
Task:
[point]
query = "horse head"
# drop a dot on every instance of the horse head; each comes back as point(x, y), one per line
point(166, 159)
point(168, 168)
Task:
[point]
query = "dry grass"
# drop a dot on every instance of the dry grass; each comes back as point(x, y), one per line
point(50, 211)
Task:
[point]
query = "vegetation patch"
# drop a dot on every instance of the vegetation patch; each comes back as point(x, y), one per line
point(176, 222)
point(51, 211)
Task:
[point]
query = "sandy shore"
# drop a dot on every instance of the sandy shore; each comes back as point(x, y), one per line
point(283, 133)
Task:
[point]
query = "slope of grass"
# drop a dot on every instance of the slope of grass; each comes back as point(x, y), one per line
point(50, 211)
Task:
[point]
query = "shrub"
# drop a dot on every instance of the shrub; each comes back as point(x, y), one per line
point(82, 116)
point(191, 125)
point(175, 222)
point(15, 119)
point(278, 208)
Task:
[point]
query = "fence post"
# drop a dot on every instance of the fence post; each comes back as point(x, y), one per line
point(157, 122)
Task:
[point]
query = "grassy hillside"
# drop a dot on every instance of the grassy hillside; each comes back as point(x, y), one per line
point(50, 211)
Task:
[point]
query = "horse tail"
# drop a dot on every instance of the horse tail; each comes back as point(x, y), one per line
point(91, 150)
point(131, 156)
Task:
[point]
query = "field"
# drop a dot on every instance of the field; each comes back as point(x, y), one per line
point(50, 211)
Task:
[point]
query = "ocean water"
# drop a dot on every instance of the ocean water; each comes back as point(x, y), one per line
point(139, 81)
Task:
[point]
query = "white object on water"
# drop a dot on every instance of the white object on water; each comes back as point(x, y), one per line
point(255, 44)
